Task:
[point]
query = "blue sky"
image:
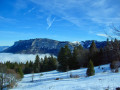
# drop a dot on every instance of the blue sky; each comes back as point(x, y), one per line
point(64, 20)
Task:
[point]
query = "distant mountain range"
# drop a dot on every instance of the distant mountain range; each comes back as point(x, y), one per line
point(3, 48)
point(44, 45)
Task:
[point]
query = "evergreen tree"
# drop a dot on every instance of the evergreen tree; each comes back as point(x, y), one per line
point(93, 48)
point(31, 65)
point(41, 65)
point(74, 63)
point(64, 57)
point(37, 64)
point(90, 70)
point(20, 72)
point(52, 63)
point(27, 68)
point(93, 52)
point(100, 57)
point(112, 51)
point(45, 64)
point(116, 50)
point(82, 56)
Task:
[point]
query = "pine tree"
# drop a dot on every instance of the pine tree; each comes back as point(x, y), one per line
point(93, 52)
point(45, 64)
point(52, 63)
point(116, 50)
point(27, 68)
point(20, 72)
point(31, 65)
point(37, 64)
point(64, 57)
point(41, 65)
point(93, 48)
point(74, 63)
point(90, 70)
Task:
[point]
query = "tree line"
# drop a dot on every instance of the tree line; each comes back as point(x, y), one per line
point(80, 57)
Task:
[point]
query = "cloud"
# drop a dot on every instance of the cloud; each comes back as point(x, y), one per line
point(80, 11)
point(20, 4)
point(102, 35)
point(29, 11)
point(4, 19)
point(50, 21)
point(19, 57)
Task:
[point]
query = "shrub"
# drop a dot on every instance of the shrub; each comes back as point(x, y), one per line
point(57, 79)
point(74, 76)
point(90, 70)
point(115, 66)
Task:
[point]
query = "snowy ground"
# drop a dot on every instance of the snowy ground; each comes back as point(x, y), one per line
point(19, 57)
point(103, 79)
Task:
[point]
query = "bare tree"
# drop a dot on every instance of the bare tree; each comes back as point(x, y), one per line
point(2, 76)
point(116, 29)
point(114, 32)
point(7, 79)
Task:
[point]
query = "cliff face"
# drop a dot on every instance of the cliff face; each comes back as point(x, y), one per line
point(43, 46)
point(33, 46)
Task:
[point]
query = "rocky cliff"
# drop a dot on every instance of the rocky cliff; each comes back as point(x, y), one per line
point(44, 45)
point(39, 45)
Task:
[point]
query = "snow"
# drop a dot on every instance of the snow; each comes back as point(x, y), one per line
point(82, 43)
point(103, 79)
point(76, 42)
point(19, 57)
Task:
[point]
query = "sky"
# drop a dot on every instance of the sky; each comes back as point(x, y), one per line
point(63, 20)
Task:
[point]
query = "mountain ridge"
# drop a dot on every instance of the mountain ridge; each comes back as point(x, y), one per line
point(45, 45)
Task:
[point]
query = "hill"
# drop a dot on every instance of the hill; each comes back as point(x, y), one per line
point(104, 79)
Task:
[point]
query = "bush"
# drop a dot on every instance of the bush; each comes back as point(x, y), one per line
point(57, 79)
point(90, 70)
point(41, 74)
point(116, 71)
point(74, 76)
point(115, 66)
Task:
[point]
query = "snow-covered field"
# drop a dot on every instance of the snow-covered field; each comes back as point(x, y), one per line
point(19, 57)
point(103, 79)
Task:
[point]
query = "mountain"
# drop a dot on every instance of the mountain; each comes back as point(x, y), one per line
point(39, 45)
point(3, 48)
point(44, 45)
point(99, 44)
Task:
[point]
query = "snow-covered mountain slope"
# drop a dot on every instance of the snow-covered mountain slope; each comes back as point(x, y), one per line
point(103, 79)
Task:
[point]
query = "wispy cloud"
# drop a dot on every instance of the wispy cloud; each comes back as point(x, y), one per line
point(79, 11)
point(50, 21)
point(102, 35)
point(20, 4)
point(29, 11)
point(4, 19)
